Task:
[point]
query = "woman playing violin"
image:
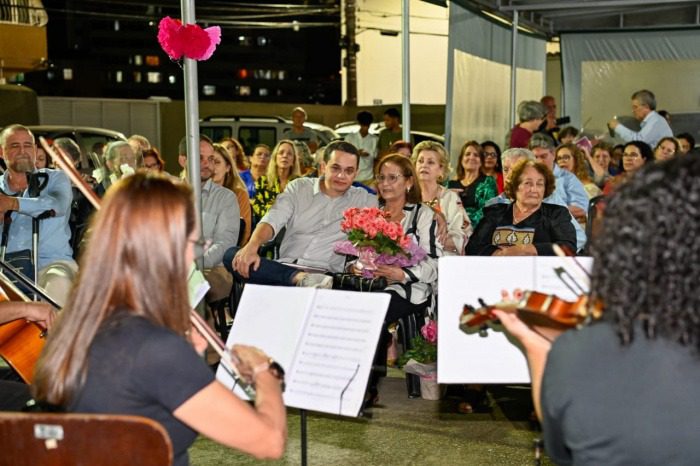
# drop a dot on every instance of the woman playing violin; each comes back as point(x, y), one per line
point(624, 389)
point(124, 343)
point(527, 226)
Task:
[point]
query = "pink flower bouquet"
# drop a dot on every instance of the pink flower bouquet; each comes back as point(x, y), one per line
point(376, 240)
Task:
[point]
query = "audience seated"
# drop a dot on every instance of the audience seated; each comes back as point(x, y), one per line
point(259, 161)
point(283, 168)
point(474, 187)
point(635, 155)
point(226, 175)
point(432, 167)
point(666, 149)
point(235, 150)
point(570, 157)
point(311, 210)
point(686, 143)
point(492, 163)
point(527, 226)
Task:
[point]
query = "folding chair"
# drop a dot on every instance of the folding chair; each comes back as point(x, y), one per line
point(82, 439)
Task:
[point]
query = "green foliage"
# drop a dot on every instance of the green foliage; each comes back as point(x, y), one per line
point(382, 244)
point(421, 351)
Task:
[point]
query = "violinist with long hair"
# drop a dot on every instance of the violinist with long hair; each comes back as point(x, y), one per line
point(623, 390)
point(123, 344)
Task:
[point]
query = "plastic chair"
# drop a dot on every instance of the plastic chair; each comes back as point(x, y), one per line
point(28, 439)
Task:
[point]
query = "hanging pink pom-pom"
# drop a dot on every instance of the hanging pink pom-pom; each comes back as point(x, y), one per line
point(190, 40)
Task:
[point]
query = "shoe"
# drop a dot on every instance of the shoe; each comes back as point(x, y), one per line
point(317, 280)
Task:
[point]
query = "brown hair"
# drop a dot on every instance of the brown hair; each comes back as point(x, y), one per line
point(153, 152)
point(232, 180)
point(241, 159)
point(580, 167)
point(480, 150)
point(138, 265)
point(517, 171)
point(413, 196)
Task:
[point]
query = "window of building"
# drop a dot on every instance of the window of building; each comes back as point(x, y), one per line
point(245, 41)
point(243, 91)
point(138, 60)
point(152, 60)
point(153, 77)
point(209, 90)
point(263, 92)
point(67, 74)
point(137, 76)
point(172, 79)
point(119, 76)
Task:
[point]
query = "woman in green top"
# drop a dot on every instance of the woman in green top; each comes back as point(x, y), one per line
point(283, 168)
point(473, 186)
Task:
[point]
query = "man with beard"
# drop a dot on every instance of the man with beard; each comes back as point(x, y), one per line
point(220, 221)
point(22, 204)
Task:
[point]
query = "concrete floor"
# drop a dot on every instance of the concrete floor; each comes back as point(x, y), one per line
point(403, 431)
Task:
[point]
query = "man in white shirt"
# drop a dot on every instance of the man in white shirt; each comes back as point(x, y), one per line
point(311, 210)
point(366, 144)
point(653, 126)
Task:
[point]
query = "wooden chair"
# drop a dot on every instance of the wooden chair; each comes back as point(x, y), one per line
point(82, 439)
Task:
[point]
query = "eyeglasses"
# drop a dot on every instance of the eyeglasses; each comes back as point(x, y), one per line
point(338, 170)
point(391, 178)
point(490, 154)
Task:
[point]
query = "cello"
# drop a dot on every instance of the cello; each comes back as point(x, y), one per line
point(21, 341)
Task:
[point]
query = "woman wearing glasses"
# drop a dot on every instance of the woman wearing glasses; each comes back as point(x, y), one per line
point(571, 157)
point(410, 287)
point(635, 154)
point(492, 163)
point(473, 186)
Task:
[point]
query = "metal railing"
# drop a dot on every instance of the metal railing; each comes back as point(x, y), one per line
point(26, 12)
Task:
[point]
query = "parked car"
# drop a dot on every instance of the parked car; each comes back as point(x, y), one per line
point(87, 137)
point(343, 129)
point(253, 130)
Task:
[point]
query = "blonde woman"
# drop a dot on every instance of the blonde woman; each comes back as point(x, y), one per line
point(226, 175)
point(283, 168)
point(432, 167)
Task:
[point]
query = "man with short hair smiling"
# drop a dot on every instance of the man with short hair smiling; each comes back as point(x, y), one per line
point(311, 209)
point(653, 126)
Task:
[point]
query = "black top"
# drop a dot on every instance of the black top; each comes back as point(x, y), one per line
point(140, 368)
point(604, 403)
point(548, 225)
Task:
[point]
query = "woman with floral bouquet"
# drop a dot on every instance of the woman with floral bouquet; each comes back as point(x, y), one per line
point(410, 287)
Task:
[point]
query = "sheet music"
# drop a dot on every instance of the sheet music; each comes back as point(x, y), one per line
point(335, 352)
point(324, 339)
point(470, 358)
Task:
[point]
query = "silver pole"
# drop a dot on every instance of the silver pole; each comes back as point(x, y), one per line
point(406, 71)
point(513, 54)
point(192, 115)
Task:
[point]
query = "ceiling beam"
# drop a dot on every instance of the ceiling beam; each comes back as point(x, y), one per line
point(561, 5)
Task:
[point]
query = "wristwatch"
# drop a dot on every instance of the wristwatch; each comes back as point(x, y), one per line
point(274, 368)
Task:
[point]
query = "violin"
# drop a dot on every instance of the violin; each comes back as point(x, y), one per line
point(535, 309)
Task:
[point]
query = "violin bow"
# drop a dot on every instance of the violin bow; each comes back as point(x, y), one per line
point(66, 164)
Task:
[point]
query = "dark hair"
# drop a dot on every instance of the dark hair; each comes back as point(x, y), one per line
point(688, 137)
point(644, 149)
point(413, 196)
point(647, 256)
point(400, 144)
point(485, 144)
point(392, 112)
point(342, 146)
point(602, 145)
point(512, 187)
point(568, 131)
point(182, 146)
point(365, 118)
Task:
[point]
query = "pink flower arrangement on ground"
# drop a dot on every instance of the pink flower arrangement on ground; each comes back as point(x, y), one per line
point(429, 332)
point(189, 40)
point(369, 229)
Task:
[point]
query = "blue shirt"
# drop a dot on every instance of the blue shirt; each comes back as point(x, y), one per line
point(569, 188)
point(247, 178)
point(54, 232)
point(652, 129)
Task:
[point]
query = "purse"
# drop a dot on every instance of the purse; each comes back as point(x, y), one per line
point(352, 282)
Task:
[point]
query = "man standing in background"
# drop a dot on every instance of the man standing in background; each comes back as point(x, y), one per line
point(366, 144)
point(653, 126)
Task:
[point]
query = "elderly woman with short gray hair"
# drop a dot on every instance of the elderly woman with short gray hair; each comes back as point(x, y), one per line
point(531, 115)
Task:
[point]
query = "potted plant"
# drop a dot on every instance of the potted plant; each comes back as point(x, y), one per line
point(421, 360)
